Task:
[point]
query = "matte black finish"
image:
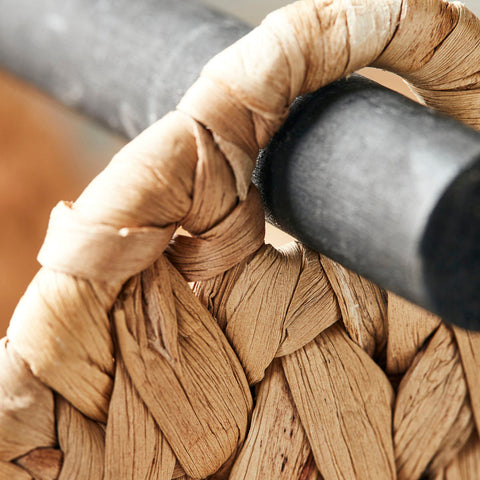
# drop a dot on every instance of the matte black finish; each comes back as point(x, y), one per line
point(386, 187)
point(359, 173)
point(123, 62)
point(451, 250)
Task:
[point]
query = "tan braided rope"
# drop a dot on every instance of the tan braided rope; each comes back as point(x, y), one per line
point(115, 368)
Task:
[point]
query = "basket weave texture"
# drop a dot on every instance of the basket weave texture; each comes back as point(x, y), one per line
point(115, 367)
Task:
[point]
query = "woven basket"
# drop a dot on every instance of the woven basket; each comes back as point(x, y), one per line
point(115, 367)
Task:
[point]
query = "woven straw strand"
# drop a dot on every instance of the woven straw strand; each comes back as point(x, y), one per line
point(115, 367)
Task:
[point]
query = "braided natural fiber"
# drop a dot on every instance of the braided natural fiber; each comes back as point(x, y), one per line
point(115, 368)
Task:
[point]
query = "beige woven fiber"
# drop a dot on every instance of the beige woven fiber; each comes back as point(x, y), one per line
point(116, 367)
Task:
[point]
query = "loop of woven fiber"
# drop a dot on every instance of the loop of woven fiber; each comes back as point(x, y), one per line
point(115, 367)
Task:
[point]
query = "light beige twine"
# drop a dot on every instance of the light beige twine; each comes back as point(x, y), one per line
point(116, 368)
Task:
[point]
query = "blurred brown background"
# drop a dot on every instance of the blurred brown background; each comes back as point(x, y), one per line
point(48, 153)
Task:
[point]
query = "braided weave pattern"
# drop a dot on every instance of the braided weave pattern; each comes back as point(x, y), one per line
point(115, 367)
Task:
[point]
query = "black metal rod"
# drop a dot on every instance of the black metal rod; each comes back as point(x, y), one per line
point(385, 186)
point(125, 63)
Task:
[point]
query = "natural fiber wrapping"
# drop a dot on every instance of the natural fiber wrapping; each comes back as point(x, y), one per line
point(129, 449)
point(13, 472)
point(429, 406)
point(363, 307)
point(467, 464)
point(203, 426)
point(469, 348)
point(42, 464)
point(26, 415)
point(345, 403)
point(409, 327)
point(287, 453)
point(79, 438)
point(151, 377)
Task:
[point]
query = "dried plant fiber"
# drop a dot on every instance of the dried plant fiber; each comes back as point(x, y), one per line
point(115, 367)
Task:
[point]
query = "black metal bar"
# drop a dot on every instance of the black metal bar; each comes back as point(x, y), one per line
point(125, 63)
point(386, 187)
point(377, 182)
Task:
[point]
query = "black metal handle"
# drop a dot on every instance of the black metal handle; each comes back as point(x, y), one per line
point(125, 63)
point(386, 187)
